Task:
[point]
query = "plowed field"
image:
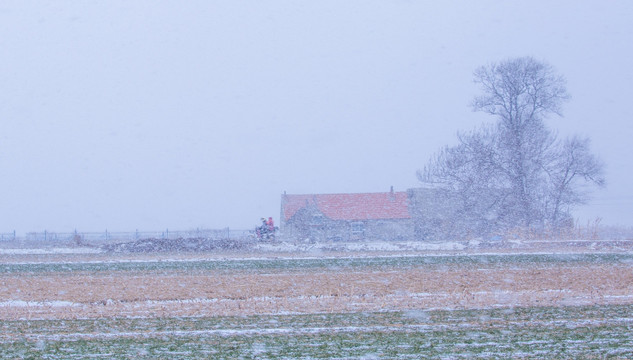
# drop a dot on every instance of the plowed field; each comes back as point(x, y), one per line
point(413, 289)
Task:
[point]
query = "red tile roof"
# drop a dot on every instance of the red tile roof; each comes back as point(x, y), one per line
point(368, 206)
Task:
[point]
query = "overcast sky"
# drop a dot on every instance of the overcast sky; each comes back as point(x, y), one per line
point(148, 115)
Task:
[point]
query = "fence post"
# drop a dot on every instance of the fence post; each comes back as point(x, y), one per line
point(106, 234)
point(167, 232)
point(13, 235)
point(44, 235)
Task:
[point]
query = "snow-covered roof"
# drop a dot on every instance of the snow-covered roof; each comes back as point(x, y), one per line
point(365, 206)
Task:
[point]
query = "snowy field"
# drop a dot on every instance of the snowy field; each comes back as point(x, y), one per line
point(537, 332)
point(320, 301)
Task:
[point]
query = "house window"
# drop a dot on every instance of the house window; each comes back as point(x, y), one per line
point(358, 228)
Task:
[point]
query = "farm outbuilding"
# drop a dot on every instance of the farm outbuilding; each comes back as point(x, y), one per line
point(345, 217)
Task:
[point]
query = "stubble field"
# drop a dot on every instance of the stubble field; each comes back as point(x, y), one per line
point(347, 305)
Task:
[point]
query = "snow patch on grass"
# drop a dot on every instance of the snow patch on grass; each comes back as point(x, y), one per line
point(48, 251)
point(22, 303)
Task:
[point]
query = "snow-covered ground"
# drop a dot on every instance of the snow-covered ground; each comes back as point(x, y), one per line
point(379, 246)
point(233, 248)
point(399, 300)
point(50, 250)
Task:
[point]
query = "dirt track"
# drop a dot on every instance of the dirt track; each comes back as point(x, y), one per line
point(95, 295)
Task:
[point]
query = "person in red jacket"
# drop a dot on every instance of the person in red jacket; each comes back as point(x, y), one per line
point(267, 230)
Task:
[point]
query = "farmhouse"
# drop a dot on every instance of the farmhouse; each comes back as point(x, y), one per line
point(344, 217)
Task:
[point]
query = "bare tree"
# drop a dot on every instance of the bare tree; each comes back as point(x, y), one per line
point(515, 173)
point(521, 93)
point(573, 167)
